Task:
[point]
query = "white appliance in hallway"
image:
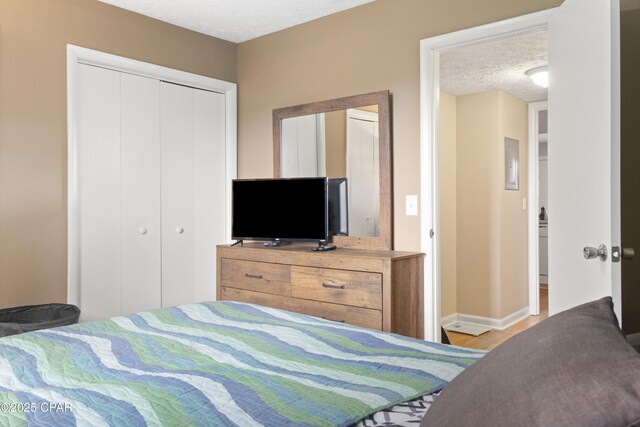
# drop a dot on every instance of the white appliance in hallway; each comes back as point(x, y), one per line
point(543, 253)
point(543, 200)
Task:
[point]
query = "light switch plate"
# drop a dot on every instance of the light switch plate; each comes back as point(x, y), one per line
point(412, 205)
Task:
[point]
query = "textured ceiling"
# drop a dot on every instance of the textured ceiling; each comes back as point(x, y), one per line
point(498, 64)
point(236, 20)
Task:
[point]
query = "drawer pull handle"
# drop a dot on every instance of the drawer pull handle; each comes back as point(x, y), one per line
point(339, 321)
point(328, 285)
point(253, 276)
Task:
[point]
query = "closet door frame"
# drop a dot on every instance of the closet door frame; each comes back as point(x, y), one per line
point(78, 55)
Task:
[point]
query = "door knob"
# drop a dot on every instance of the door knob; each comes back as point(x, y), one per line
point(617, 253)
point(600, 252)
point(180, 230)
point(142, 230)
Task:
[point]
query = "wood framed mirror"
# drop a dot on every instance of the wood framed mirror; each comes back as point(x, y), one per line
point(349, 138)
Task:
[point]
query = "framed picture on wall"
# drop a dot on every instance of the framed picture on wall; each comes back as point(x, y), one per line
point(511, 164)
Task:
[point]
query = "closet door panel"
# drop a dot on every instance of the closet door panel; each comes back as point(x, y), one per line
point(210, 189)
point(289, 149)
point(363, 175)
point(140, 188)
point(177, 178)
point(302, 152)
point(308, 143)
point(98, 142)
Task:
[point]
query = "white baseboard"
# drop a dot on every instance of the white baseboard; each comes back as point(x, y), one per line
point(499, 324)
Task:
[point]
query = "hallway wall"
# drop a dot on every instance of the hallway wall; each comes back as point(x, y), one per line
point(490, 232)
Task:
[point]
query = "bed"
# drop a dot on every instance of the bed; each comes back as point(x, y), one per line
point(221, 363)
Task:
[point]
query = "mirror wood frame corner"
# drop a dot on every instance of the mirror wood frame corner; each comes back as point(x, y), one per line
point(384, 239)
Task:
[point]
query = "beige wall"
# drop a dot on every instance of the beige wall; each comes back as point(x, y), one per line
point(369, 48)
point(478, 204)
point(33, 38)
point(448, 210)
point(514, 290)
point(336, 143)
point(490, 234)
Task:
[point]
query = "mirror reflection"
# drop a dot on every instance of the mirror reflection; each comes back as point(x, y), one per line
point(338, 144)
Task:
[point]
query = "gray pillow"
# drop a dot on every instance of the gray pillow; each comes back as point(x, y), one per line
point(634, 340)
point(573, 369)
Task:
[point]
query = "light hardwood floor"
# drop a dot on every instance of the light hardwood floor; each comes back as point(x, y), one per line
point(494, 337)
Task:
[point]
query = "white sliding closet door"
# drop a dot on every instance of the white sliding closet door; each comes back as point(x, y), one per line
point(210, 189)
point(151, 192)
point(193, 188)
point(98, 154)
point(140, 192)
point(363, 172)
point(176, 110)
point(303, 146)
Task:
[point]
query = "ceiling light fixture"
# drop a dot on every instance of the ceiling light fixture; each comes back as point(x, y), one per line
point(539, 75)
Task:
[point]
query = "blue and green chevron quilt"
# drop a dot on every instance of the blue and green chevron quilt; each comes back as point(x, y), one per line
point(215, 364)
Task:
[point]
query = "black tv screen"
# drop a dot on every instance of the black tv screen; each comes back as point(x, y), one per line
point(280, 209)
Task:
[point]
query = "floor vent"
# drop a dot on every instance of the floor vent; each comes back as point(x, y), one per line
point(468, 328)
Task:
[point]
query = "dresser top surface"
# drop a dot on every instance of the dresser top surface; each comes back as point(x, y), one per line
point(306, 248)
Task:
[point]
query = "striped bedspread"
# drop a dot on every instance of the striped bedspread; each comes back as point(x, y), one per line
point(215, 364)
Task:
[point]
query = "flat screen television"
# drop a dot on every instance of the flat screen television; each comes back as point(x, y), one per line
point(280, 209)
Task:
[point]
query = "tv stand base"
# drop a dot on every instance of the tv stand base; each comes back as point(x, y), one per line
point(325, 247)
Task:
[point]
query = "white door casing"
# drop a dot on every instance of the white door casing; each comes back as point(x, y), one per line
point(429, 130)
point(584, 50)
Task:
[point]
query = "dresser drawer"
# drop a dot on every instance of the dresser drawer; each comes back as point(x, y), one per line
point(340, 313)
point(256, 276)
point(355, 288)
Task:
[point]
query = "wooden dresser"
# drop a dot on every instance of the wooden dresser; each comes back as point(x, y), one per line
point(376, 289)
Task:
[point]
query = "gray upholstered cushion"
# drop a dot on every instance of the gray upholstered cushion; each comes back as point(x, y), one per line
point(573, 369)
